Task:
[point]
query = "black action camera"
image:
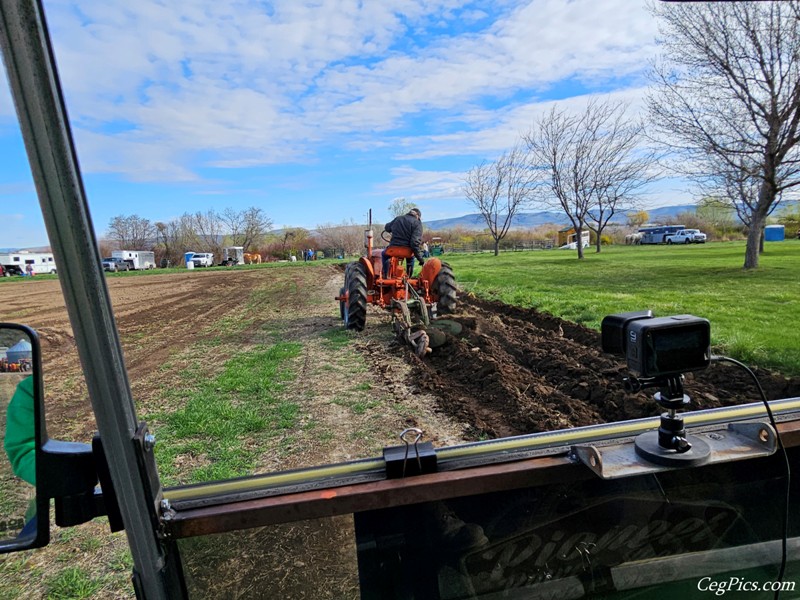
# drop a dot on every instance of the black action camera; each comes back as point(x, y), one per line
point(658, 347)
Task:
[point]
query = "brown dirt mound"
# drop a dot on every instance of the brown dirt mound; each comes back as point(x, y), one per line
point(514, 371)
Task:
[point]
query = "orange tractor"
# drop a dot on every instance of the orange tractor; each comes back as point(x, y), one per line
point(415, 302)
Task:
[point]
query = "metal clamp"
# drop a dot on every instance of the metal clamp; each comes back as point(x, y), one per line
point(403, 439)
point(396, 457)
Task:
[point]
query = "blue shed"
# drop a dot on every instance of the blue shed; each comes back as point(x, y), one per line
point(774, 233)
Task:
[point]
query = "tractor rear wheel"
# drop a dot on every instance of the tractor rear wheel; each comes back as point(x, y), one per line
point(444, 286)
point(343, 290)
point(355, 313)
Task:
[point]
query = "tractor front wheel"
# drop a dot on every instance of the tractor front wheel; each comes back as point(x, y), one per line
point(444, 286)
point(355, 313)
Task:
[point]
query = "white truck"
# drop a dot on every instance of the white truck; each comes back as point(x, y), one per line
point(137, 259)
point(203, 259)
point(21, 263)
point(686, 236)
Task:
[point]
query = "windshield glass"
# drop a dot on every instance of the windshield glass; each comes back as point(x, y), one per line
point(285, 135)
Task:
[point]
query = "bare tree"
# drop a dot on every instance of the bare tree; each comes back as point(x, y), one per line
point(727, 97)
point(131, 232)
point(247, 227)
point(400, 206)
point(347, 237)
point(591, 164)
point(204, 230)
point(165, 242)
point(174, 239)
point(499, 190)
point(623, 167)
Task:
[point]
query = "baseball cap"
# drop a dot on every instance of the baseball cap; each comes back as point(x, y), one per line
point(416, 212)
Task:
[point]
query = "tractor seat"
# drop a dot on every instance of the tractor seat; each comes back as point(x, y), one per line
point(399, 252)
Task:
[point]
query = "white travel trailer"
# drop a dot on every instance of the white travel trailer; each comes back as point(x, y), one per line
point(138, 259)
point(16, 263)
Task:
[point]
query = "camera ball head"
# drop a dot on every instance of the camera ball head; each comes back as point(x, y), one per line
point(669, 445)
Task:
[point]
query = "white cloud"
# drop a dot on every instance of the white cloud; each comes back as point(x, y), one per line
point(496, 131)
point(156, 93)
point(425, 188)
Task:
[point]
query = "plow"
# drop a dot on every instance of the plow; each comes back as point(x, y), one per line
point(417, 304)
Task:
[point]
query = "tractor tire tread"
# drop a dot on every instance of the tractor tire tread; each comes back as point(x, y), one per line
point(444, 286)
point(357, 297)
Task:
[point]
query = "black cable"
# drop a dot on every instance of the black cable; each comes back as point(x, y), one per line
point(782, 570)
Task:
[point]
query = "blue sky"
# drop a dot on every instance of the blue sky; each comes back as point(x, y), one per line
point(315, 111)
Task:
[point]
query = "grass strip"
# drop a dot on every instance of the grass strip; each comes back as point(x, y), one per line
point(215, 433)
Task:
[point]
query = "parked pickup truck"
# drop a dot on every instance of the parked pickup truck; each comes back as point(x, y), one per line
point(203, 259)
point(686, 236)
point(114, 264)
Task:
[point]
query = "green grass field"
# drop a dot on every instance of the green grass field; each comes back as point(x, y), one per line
point(754, 314)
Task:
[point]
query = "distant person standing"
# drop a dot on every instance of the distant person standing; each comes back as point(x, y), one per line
point(425, 252)
point(29, 270)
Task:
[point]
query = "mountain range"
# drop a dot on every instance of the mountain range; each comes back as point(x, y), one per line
point(535, 219)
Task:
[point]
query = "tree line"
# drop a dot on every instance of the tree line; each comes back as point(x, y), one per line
point(212, 231)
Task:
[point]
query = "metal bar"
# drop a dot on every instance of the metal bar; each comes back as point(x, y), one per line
point(374, 495)
point(312, 504)
point(39, 102)
point(471, 455)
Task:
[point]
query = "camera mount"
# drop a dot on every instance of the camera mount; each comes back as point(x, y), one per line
point(669, 446)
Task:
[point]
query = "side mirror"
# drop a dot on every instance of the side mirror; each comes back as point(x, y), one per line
point(24, 512)
point(34, 468)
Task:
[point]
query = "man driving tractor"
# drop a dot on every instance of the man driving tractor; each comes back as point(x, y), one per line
point(406, 232)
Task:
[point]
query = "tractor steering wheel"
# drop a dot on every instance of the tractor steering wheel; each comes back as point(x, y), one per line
point(384, 233)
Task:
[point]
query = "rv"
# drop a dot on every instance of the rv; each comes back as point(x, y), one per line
point(16, 263)
point(137, 259)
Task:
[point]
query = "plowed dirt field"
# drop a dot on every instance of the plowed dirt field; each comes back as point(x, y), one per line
point(511, 371)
